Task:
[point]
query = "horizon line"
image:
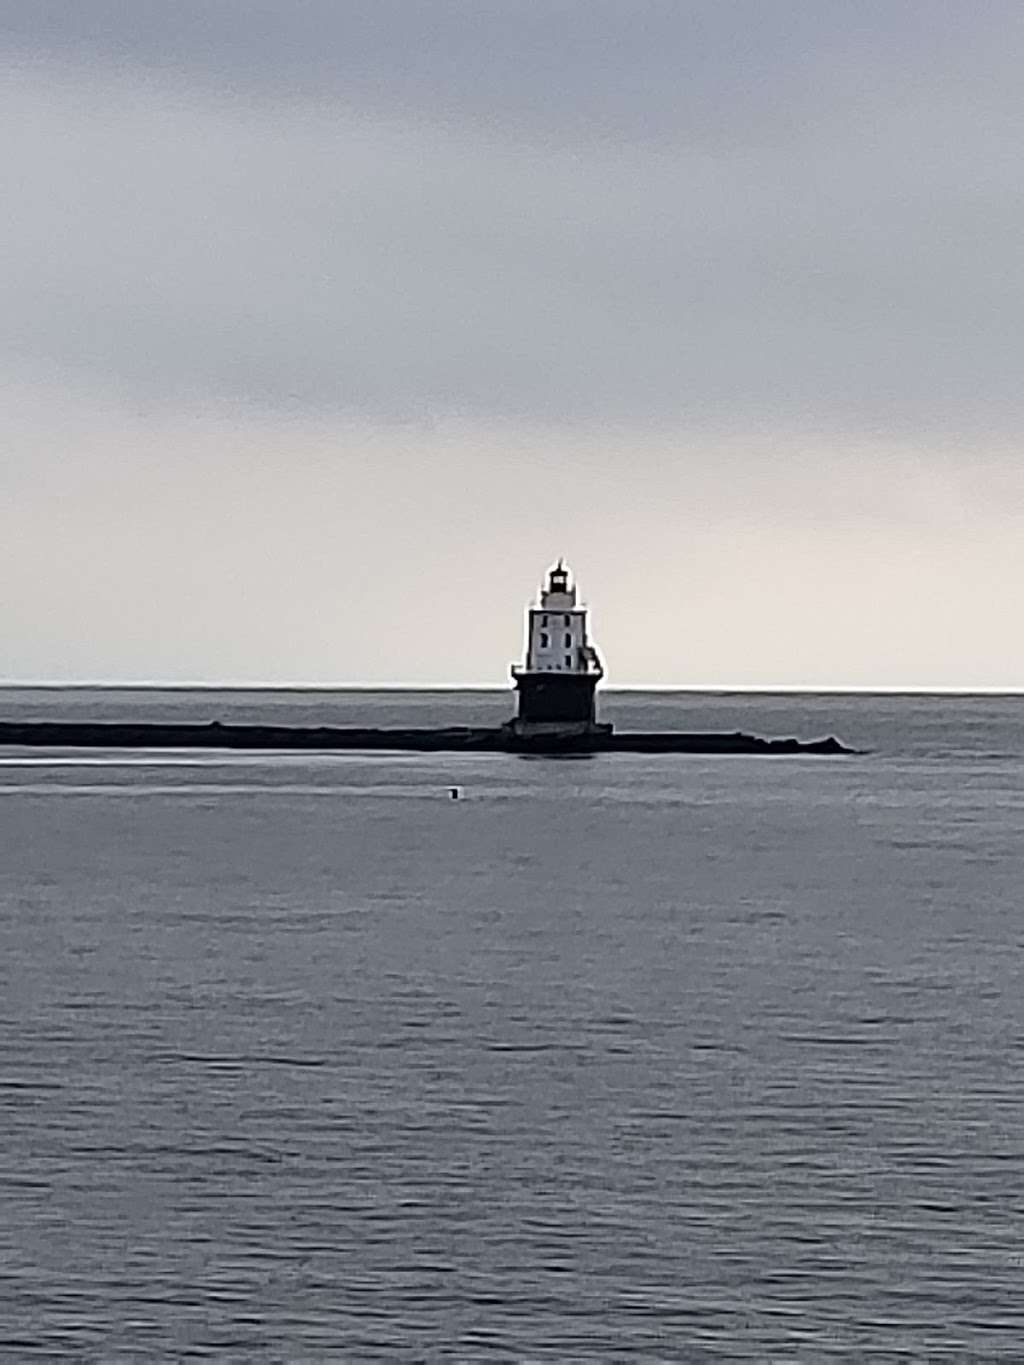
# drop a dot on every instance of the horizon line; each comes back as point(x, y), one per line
point(720, 689)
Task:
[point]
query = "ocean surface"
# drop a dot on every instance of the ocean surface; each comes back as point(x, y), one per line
point(623, 1057)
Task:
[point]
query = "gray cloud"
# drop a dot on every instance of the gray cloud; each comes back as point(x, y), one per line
point(578, 69)
point(739, 284)
point(845, 253)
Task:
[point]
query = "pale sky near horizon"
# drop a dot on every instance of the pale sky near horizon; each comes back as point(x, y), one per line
point(328, 324)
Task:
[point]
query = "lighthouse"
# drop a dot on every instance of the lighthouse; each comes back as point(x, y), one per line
point(557, 681)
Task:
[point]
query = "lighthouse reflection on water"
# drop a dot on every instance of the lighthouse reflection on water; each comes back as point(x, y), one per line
point(557, 682)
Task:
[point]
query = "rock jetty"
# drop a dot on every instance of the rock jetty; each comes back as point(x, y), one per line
point(459, 739)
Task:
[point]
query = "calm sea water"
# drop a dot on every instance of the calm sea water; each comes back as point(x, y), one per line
point(623, 1057)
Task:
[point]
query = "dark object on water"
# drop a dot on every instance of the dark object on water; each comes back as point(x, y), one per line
point(457, 739)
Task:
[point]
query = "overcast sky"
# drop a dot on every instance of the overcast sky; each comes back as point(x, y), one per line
point(326, 325)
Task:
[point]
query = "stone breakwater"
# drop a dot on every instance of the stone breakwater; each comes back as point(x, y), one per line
point(499, 739)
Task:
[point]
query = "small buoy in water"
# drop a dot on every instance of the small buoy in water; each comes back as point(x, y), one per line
point(454, 793)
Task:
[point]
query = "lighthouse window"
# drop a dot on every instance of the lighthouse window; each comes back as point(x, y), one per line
point(567, 620)
point(543, 620)
point(543, 639)
point(568, 661)
point(568, 640)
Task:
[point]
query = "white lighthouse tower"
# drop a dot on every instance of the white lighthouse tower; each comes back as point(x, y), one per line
point(557, 681)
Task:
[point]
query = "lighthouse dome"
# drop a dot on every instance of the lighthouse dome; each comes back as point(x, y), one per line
point(560, 591)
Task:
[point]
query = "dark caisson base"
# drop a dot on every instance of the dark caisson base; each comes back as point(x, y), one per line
point(503, 739)
point(555, 698)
